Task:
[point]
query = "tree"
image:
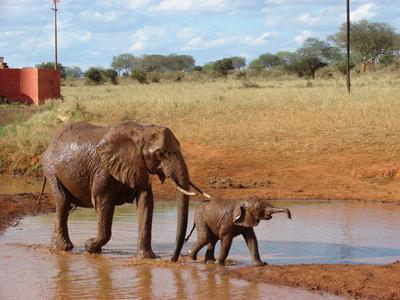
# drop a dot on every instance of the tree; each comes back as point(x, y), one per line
point(197, 69)
point(181, 63)
point(314, 47)
point(238, 62)
point(153, 62)
point(50, 65)
point(341, 66)
point(368, 39)
point(208, 66)
point(224, 65)
point(306, 65)
point(268, 60)
point(254, 64)
point(125, 62)
point(74, 72)
point(286, 57)
point(396, 47)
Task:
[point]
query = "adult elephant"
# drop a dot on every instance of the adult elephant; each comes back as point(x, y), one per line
point(101, 167)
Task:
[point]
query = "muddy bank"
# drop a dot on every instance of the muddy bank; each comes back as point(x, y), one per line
point(358, 281)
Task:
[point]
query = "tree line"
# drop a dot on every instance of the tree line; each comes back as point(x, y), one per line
point(369, 42)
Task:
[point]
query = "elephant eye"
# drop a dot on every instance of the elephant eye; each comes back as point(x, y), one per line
point(160, 155)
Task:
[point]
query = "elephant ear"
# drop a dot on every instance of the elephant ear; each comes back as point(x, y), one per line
point(119, 152)
point(243, 217)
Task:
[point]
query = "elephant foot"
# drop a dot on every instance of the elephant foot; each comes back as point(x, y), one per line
point(220, 262)
point(209, 261)
point(142, 254)
point(192, 254)
point(92, 247)
point(259, 263)
point(64, 245)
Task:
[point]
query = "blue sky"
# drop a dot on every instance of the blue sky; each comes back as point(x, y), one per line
point(91, 32)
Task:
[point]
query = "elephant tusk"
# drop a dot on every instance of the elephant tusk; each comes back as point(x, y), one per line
point(181, 189)
point(199, 190)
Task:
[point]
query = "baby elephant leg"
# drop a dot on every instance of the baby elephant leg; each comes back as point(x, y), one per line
point(192, 252)
point(252, 244)
point(203, 238)
point(226, 243)
point(209, 258)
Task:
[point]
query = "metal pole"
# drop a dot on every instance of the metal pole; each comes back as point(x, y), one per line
point(348, 45)
point(55, 33)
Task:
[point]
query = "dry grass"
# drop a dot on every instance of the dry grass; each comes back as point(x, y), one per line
point(297, 118)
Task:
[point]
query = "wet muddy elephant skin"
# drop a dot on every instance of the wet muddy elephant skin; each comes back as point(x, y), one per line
point(220, 219)
point(101, 167)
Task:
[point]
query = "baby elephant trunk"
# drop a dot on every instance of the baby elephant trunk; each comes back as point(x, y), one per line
point(274, 210)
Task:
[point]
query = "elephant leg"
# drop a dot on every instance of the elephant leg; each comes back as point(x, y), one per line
point(145, 207)
point(203, 238)
point(192, 252)
point(226, 243)
point(210, 258)
point(105, 214)
point(252, 244)
point(63, 204)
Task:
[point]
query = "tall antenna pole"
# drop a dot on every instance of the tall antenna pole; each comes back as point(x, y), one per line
point(55, 32)
point(348, 45)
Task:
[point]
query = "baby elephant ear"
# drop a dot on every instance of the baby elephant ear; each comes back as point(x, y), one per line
point(120, 154)
point(242, 217)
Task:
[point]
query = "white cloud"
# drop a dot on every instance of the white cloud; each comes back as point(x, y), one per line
point(138, 46)
point(260, 40)
point(149, 38)
point(363, 12)
point(134, 4)
point(308, 19)
point(221, 42)
point(186, 33)
point(85, 37)
point(194, 6)
point(194, 44)
point(302, 37)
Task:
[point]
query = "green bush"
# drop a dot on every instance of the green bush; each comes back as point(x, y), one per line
point(341, 66)
point(154, 76)
point(140, 75)
point(94, 76)
point(111, 74)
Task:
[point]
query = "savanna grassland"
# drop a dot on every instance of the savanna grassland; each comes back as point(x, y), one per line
point(299, 119)
point(278, 138)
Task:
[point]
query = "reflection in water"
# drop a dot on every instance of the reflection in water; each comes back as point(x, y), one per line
point(320, 232)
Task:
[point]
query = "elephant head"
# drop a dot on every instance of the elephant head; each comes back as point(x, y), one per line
point(130, 152)
point(250, 212)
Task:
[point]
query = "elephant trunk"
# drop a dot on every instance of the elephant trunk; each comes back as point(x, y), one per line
point(182, 201)
point(274, 210)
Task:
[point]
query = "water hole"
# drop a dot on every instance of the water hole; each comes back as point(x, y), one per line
point(320, 232)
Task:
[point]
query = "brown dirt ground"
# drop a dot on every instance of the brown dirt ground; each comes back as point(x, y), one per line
point(228, 173)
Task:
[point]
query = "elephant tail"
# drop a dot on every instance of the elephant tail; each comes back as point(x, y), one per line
point(39, 202)
point(187, 238)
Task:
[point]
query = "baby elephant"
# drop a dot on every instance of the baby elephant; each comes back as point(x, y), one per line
point(220, 219)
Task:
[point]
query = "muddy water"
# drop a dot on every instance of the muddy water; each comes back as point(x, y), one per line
point(16, 184)
point(320, 232)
